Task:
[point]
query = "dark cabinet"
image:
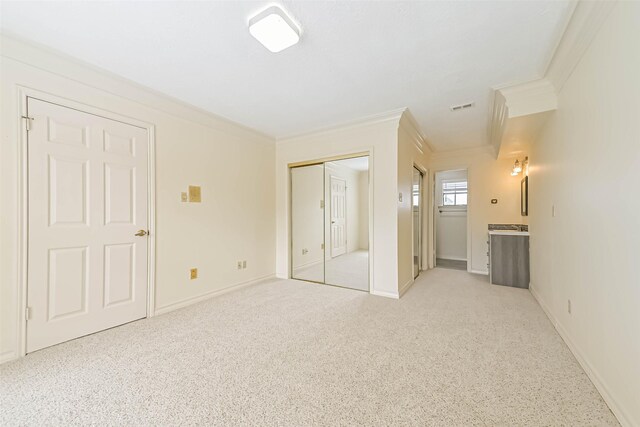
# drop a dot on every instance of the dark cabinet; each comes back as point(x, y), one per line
point(509, 259)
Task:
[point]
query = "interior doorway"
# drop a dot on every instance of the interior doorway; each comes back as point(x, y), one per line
point(416, 204)
point(330, 222)
point(88, 219)
point(451, 218)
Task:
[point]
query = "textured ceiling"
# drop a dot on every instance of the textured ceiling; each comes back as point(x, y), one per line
point(355, 59)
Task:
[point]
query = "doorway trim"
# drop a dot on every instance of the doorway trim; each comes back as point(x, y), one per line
point(321, 161)
point(24, 93)
point(421, 220)
point(434, 207)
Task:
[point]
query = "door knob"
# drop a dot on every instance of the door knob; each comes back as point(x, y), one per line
point(142, 233)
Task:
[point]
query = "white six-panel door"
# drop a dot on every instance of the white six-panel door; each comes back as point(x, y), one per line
point(87, 184)
point(338, 216)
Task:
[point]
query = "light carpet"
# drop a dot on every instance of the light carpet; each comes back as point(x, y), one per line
point(453, 351)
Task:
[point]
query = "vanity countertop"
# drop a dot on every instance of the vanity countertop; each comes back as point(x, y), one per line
point(508, 233)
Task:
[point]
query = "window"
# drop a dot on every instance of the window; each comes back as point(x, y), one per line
point(454, 193)
point(416, 195)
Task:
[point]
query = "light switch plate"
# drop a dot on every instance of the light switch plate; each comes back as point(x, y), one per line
point(193, 273)
point(194, 194)
point(183, 196)
point(400, 197)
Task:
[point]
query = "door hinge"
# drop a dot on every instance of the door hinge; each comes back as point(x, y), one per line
point(28, 120)
point(27, 313)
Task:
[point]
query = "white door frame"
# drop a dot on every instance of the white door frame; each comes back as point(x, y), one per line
point(24, 93)
point(434, 208)
point(421, 222)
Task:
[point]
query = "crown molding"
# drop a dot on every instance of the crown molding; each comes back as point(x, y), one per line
point(409, 123)
point(497, 121)
point(516, 109)
point(388, 116)
point(585, 22)
point(68, 67)
point(532, 97)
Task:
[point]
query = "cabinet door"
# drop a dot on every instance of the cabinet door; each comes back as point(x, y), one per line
point(510, 261)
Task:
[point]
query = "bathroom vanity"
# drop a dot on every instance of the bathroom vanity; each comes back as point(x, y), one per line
point(509, 255)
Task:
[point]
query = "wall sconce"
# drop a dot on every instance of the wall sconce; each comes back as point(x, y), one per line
point(518, 167)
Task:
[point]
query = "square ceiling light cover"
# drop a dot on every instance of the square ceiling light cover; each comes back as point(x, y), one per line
point(274, 29)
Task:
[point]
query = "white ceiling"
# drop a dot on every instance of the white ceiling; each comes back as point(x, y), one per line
point(355, 59)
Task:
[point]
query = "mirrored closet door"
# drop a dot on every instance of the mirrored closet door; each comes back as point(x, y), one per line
point(330, 223)
point(307, 223)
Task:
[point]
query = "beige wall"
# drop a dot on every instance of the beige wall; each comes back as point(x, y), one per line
point(379, 139)
point(586, 164)
point(234, 166)
point(488, 179)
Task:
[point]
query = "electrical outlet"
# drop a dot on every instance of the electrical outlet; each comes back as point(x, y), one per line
point(244, 264)
point(193, 273)
point(239, 265)
point(183, 196)
point(569, 306)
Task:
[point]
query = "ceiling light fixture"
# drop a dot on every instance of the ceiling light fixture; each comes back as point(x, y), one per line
point(274, 29)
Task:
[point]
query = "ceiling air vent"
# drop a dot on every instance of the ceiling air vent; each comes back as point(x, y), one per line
point(462, 106)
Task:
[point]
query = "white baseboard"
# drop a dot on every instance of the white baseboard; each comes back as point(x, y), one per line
point(621, 414)
point(485, 273)
point(450, 258)
point(7, 356)
point(385, 294)
point(404, 288)
point(192, 300)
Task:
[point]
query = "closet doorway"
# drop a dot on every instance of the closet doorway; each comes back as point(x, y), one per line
point(416, 210)
point(330, 222)
point(451, 219)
